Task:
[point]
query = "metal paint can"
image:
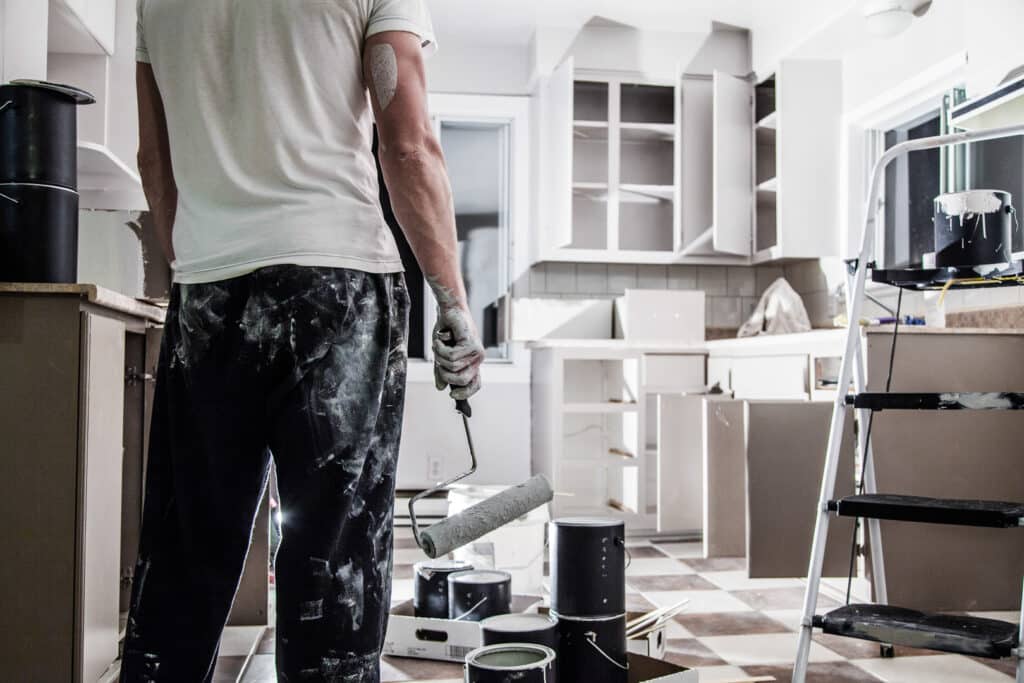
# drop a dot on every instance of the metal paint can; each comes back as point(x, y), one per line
point(592, 649)
point(538, 629)
point(430, 587)
point(588, 566)
point(974, 228)
point(476, 595)
point(518, 663)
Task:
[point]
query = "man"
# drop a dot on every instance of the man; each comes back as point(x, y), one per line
point(286, 331)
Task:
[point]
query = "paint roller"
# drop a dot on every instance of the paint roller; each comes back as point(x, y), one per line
point(456, 531)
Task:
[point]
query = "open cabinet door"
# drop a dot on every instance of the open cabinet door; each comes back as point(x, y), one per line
point(733, 152)
point(694, 156)
point(555, 171)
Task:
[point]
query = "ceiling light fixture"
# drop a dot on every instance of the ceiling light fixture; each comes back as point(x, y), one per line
point(887, 18)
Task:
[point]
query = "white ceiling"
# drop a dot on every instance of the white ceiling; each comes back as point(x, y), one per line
point(512, 22)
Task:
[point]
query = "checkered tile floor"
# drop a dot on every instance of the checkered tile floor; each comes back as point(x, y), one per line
point(733, 628)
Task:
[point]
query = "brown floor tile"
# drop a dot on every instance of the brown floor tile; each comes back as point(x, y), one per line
point(730, 624)
point(689, 652)
point(717, 564)
point(854, 648)
point(268, 642)
point(261, 670)
point(644, 552)
point(780, 598)
point(402, 571)
point(394, 668)
point(670, 582)
point(1006, 666)
point(402, 543)
point(832, 672)
point(638, 603)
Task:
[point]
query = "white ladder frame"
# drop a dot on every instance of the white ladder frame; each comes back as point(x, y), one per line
point(853, 369)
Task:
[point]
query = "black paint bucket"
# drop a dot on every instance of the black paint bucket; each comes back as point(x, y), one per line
point(592, 650)
point(38, 233)
point(538, 629)
point(476, 595)
point(588, 566)
point(516, 663)
point(39, 133)
point(974, 228)
point(430, 587)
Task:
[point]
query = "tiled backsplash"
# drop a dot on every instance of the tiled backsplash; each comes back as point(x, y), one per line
point(732, 292)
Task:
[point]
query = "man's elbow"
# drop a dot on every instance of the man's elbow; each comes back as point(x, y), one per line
point(412, 149)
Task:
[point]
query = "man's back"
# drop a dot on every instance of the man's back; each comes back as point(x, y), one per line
point(270, 130)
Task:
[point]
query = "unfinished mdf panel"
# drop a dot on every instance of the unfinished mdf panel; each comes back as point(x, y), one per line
point(696, 161)
point(786, 443)
point(950, 454)
point(680, 467)
point(99, 496)
point(724, 444)
point(732, 140)
point(39, 380)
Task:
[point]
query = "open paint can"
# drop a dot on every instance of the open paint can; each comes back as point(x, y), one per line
point(476, 595)
point(974, 228)
point(539, 629)
point(588, 566)
point(518, 663)
point(592, 650)
point(430, 587)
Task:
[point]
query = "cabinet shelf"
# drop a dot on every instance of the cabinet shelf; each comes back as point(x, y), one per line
point(590, 130)
point(647, 131)
point(657, 192)
point(600, 408)
point(106, 182)
point(770, 186)
point(769, 122)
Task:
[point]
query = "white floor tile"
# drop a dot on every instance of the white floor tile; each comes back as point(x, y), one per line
point(673, 629)
point(738, 581)
point(237, 641)
point(408, 555)
point(930, 669)
point(714, 674)
point(654, 566)
point(692, 549)
point(1012, 617)
point(774, 648)
point(700, 602)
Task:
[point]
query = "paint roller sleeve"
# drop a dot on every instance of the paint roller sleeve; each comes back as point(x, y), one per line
point(486, 516)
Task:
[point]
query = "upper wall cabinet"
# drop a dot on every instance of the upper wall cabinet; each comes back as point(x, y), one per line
point(625, 170)
point(797, 112)
point(82, 26)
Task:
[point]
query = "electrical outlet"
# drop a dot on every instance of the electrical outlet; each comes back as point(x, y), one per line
point(435, 467)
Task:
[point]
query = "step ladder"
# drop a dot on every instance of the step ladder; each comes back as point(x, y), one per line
point(881, 622)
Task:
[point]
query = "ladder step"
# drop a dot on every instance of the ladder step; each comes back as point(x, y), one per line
point(950, 400)
point(972, 636)
point(982, 513)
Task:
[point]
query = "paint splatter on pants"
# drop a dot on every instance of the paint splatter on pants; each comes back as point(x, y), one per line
point(305, 365)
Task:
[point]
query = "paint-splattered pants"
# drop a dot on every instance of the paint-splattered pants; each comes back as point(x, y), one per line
point(306, 364)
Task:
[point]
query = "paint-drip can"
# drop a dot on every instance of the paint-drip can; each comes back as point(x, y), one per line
point(515, 663)
point(588, 566)
point(538, 629)
point(974, 228)
point(592, 649)
point(476, 595)
point(430, 588)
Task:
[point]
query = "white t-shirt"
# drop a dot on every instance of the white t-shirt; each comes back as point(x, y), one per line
point(270, 129)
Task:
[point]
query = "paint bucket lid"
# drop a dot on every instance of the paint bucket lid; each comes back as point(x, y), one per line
point(562, 617)
point(518, 623)
point(429, 566)
point(588, 521)
point(481, 576)
point(511, 657)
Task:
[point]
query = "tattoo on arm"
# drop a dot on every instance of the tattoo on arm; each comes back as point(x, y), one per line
point(384, 71)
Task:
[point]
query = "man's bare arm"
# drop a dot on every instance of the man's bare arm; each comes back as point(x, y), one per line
point(155, 158)
point(421, 196)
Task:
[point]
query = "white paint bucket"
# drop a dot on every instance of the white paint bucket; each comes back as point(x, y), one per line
point(517, 547)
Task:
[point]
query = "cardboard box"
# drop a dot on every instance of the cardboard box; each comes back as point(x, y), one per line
point(441, 639)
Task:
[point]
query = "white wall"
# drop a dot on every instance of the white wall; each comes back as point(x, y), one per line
point(480, 69)
point(779, 27)
point(23, 39)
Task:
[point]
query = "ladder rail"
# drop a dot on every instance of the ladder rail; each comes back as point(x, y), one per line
point(838, 423)
point(1020, 639)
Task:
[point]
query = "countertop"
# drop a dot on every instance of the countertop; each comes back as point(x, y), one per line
point(95, 294)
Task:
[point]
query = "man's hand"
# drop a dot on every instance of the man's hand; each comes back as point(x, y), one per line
point(458, 352)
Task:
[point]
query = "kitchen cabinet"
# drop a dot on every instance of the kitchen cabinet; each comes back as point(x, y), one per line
point(590, 403)
point(796, 151)
point(626, 161)
point(77, 364)
point(82, 26)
